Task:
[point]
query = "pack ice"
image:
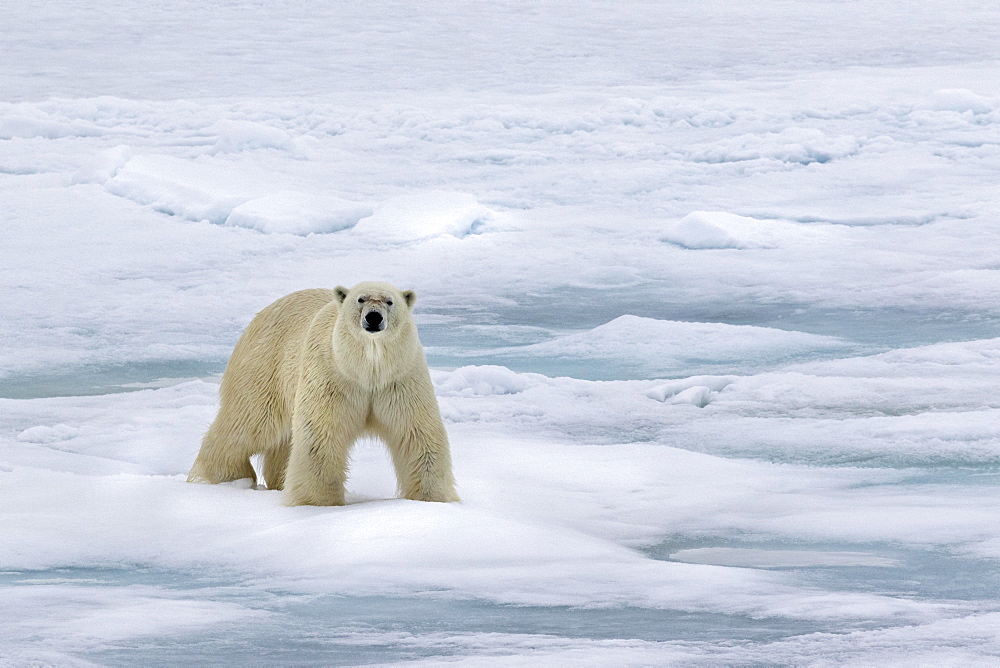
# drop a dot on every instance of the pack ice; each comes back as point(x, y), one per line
point(710, 297)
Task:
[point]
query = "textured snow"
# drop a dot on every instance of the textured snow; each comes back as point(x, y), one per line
point(660, 345)
point(297, 213)
point(705, 229)
point(710, 295)
point(415, 217)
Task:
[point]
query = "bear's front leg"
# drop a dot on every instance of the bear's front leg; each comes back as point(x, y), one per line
point(407, 418)
point(323, 431)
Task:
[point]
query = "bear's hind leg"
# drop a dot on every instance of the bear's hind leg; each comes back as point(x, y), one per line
point(220, 461)
point(276, 464)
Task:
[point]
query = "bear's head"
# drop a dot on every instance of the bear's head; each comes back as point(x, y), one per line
point(375, 307)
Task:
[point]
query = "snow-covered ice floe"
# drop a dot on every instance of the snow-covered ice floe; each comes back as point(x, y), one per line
point(711, 299)
point(616, 502)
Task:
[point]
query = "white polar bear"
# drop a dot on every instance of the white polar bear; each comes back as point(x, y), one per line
point(312, 373)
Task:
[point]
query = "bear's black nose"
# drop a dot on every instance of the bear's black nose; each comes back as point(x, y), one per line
point(373, 319)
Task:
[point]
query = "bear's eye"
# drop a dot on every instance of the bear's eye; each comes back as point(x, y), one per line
point(388, 303)
point(361, 300)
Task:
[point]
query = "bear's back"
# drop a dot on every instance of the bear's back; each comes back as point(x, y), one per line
point(281, 327)
point(263, 366)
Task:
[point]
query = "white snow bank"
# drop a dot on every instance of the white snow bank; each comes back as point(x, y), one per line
point(421, 215)
point(43, 434)
point(550, 520)
point(235, 136)
point(576, 474)
point(221, 194)
point(717, 229)
point(190, 189)
point(517, 551)
point(486, 380)
point(931, 406)
point(103, 165)
point(631, 338)
point(149, 431)
point(928, 406)
point(26, 127)
point(791, 145)
point(954, 361)
point(298, 213)
point(961, 100)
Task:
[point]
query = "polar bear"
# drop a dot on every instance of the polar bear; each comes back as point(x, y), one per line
point(312, 373)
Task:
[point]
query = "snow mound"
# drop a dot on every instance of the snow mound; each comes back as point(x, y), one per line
point(699, 396)
point(802, 146)
point(698, 391)
point(222, 195)
point(716, 229)
point(482, 381)
point(659, 343)
point(961, 100)
point(236, 136)
point(290, 212)
point(103, 165)
point(46, 435)
point(185, 188)
point(422, 215)
point(23, 122)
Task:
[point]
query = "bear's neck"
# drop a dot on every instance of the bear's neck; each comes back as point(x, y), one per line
point(374, 361)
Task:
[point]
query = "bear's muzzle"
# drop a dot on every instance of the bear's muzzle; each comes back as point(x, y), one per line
point(373, 321)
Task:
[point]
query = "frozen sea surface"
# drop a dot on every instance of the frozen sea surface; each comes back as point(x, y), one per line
point(711, 296)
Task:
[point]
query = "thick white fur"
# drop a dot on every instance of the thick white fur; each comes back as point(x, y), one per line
point(306, 380)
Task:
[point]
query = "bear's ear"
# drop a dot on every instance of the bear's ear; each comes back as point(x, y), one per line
point(340, 292)
point(410, 296)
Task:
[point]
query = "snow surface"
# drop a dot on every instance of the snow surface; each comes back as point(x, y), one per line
point(711, 293)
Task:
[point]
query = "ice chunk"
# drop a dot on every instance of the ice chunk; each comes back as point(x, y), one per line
point(422, 215)
point(299, 213)
point(489, 380)
point(702, 229)
point(698, 395)
point(711, 384)
point(716, 229)
point(666, 344)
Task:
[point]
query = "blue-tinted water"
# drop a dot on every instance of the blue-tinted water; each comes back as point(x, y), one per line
point(106, 379)
point(336, 630)
point(559, 309)
point(537, 318)
point(295, 629)
point(902, 571)
point(490, 336)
